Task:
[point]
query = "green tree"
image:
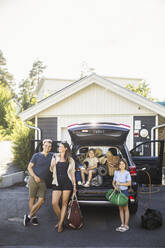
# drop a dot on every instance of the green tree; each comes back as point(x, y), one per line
point(26, 95)
point(6, 79)
point(27, 87)
point(7, 112)
point(36, 72)
point(7, 105)
point(142, 89)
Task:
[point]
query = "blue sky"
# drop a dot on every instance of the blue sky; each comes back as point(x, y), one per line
point(122, 38)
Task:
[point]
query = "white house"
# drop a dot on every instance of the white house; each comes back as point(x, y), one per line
point(93, 98)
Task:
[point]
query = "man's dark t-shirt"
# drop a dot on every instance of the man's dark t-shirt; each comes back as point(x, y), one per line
point(42, 164)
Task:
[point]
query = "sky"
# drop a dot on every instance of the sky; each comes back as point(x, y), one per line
point(118, 38)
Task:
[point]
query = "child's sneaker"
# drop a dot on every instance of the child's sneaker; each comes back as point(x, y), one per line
point(126, 227)
point(87, 184)
point(120, 228)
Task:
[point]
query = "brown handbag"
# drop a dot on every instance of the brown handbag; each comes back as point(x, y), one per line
point(74, 216)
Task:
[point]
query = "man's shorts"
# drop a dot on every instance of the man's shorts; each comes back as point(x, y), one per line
point(36, 189)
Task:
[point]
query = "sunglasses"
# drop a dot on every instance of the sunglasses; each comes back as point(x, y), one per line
point(47, 140)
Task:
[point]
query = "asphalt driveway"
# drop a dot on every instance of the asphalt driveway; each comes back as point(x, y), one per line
point(98, 231)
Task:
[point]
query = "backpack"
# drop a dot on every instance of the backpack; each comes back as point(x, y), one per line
point(151, 219)
point(74, 218)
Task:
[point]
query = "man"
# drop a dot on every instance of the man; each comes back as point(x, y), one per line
point(39, 171)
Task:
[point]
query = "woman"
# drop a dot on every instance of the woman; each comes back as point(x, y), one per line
point(121, 181)
point(90, 165)
point(63, 168)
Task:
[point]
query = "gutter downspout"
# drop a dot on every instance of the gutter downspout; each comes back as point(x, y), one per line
point(36, 128)
point(152, 135)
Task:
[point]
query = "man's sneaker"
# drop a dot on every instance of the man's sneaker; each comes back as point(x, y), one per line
point(26, 220)
point(34, 221)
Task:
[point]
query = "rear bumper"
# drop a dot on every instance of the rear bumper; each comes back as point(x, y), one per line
point(92, 203)
point(98, 198)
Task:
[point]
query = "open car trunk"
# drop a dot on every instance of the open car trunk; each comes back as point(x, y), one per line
point(98, 134)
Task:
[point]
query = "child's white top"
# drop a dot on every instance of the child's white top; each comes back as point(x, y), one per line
point(122, 177)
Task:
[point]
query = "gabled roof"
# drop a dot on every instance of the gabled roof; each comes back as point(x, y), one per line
point(83, 83)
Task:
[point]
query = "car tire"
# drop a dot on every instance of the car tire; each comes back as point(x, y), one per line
point(102, 170)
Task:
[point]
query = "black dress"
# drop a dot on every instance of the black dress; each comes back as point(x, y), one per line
point(64, 182)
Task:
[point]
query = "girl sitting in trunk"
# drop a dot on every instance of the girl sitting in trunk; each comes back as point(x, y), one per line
point(90, 167)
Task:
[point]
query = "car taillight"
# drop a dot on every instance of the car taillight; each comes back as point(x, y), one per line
point(131, 198)
point(132, 171)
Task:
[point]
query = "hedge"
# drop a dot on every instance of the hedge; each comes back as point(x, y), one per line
point(22, 140)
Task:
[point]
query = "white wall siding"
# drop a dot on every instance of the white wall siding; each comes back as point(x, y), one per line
point(95, 99)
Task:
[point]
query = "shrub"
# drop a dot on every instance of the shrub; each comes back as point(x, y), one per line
point(22, 141)
point(4, 135)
